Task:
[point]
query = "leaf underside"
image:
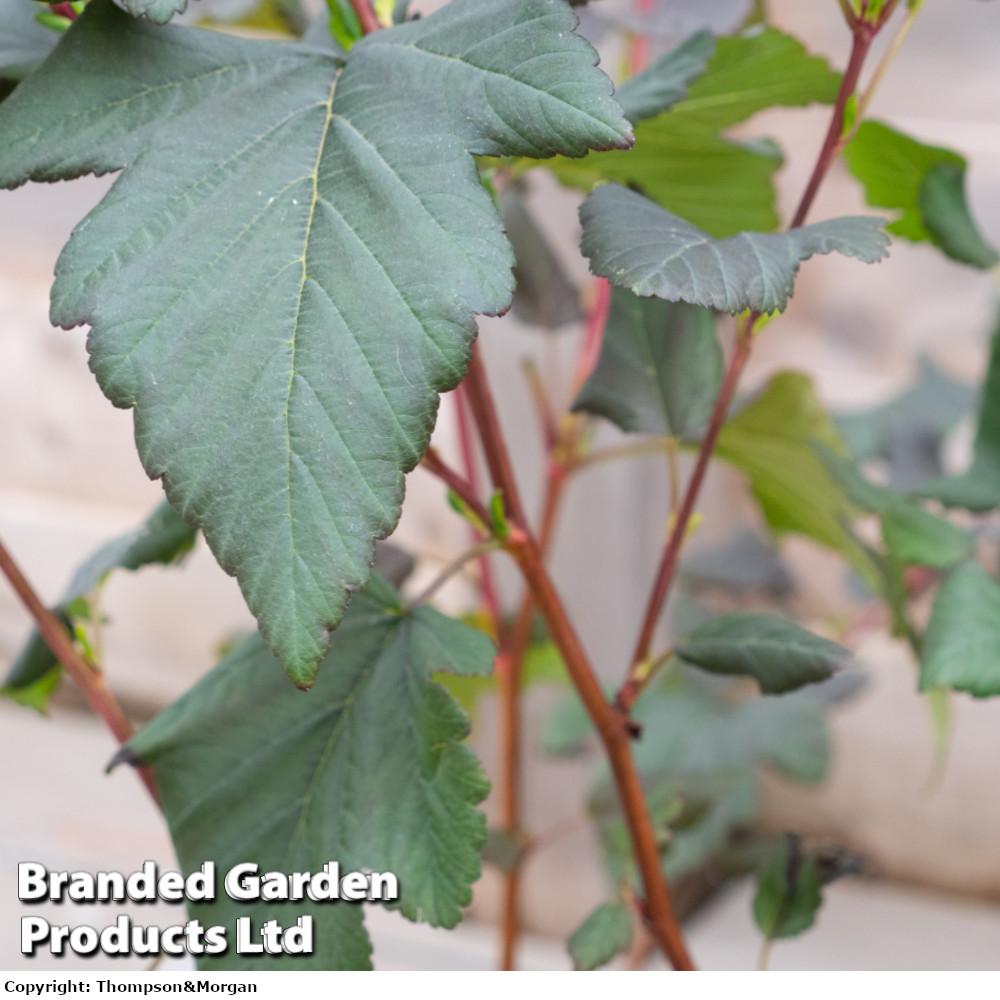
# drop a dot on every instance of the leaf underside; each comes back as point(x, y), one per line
point(286, 273)
point(367, 769)
point(638, 245)
point(659, 369)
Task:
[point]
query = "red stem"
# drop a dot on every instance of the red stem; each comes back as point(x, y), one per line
point(434, 464)
point(864, 34)
point(668, 562)
point(87, 677)
point(366, 16)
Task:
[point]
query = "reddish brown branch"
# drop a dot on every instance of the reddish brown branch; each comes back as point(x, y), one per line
point(611, 724)
point(864, 34)
point(668, 562)
point(85, 675)
point(461, 487)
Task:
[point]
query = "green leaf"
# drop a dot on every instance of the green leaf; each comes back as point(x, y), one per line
point(926, 183)
point(978, 488)
point(367, 769)
point(638, 245)
point(162, 538)
point(542, 665)
point(607, 932)
point(913, 536)
point(686, 167)
point(778, 654)
point(743, 564)
point(773, 442)
point(544, 295)
point(908, 431)
point(246, 282)
point(789, 892)
point(961, 648)
point(916, 537)
point(665, 82)
point(24, 43)
point(683, 163)
point(946, 215)
point(659, 369)
point(343, 24)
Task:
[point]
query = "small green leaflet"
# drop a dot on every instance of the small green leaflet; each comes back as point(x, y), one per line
point(778, 654)
point(638, 245)
point(368, 769)
point(961, 648)
point(286, 273)
point(607, 932)
point(927, 183)
point(162, 538)
point(789, 892)
point(659, 369)
point(978, 488)
point(681, 159)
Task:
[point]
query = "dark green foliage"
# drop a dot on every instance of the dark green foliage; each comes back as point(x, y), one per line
point(285, 363)
point(778, 654)
point(638, 245)
point(682, 159)
point(659, 370)
point(607, 932)
point(368, 768)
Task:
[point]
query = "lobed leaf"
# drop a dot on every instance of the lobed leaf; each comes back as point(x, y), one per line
point(780, 655)
point(773, 441)
point(367, 769)
point(286, 273)
point(659, 369)
point(926, 183)
point(638, 245)
point(961, 648)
